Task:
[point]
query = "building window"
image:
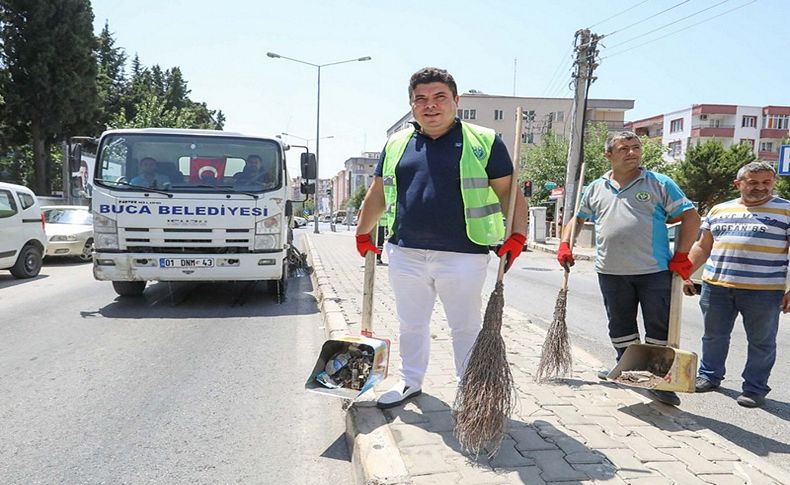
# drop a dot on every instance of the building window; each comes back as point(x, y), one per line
point(529, 115)
point(749, 122)
point(498, 114)
point(528, 138)
point(748, 142)
point(675, 148)
point(776, 122)
point(676, 125)
point(766, 146)
point(559, 116)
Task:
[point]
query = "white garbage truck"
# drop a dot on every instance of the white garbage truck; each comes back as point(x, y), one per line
point(190, 205)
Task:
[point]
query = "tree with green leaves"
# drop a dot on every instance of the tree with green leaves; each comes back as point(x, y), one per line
point(110, 79)
point(707, 172)
point(48, 75)
point(355, 200)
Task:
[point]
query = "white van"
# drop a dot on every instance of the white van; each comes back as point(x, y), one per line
point(22, 237)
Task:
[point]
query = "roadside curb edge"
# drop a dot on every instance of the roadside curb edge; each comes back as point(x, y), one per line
point(375, 456)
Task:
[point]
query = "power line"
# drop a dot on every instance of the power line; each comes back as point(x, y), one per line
point(679, 30)
point(617, 14)
point(563, 60)
point(647, 18)
point(669, 24)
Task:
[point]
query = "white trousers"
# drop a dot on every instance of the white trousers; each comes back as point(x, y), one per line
point(417, 276)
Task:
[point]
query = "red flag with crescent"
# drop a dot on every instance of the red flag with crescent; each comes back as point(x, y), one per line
point(206, 169)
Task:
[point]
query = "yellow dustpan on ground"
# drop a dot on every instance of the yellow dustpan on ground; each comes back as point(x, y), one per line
point(657, 367)
point(350, 365)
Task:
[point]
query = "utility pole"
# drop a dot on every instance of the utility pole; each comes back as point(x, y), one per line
point(586, 52)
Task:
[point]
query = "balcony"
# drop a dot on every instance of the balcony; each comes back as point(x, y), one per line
point(710, 130)
point(768, 156)
point(773, 133)
point(610, 125)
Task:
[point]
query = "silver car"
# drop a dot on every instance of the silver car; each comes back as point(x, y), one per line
point(69, 231)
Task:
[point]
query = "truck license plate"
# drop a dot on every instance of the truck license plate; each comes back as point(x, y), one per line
point(186, 263)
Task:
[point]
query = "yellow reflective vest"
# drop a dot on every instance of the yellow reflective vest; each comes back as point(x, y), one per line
point(482, 210)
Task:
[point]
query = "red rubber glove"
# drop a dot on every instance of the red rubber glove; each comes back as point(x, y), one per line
point(365, 244)
point(511, 248)
point(681, 265)
point(565, 256)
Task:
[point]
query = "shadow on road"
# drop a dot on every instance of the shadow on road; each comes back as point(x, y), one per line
point(7, 281)
point(757, 444)
point(180, 300)
point(530, 451)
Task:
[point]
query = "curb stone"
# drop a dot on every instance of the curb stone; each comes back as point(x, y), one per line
point(375, 457)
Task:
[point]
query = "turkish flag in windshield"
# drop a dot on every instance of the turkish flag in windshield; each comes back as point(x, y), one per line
point(206, 170)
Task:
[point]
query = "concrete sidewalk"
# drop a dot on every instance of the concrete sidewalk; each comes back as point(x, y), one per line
point(577, 430)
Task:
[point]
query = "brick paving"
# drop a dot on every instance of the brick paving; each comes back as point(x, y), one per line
point(575, 430)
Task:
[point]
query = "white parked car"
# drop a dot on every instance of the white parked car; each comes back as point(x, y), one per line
point(69, 231)
point(299, 221)
point(22, 238)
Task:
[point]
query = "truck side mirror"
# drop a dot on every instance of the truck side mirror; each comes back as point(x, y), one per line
point(75, 158)
point(308, 188)
point(309, 166)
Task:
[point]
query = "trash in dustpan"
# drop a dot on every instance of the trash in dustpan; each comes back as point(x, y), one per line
point(348, 366)
point(655, 366)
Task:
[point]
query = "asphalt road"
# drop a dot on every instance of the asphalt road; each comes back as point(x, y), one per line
point(192, 383)
point(532, 286)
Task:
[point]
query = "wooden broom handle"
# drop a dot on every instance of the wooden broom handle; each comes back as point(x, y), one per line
point(367, 287)
point(511, 202)
point(675, 311)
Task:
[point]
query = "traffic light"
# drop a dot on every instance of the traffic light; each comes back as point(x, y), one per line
point(528, 188)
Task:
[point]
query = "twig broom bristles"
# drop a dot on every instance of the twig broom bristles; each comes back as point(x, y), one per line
point(486, 395)
point(556, 358)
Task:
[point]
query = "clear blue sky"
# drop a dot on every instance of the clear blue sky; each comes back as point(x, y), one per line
point(738, 58)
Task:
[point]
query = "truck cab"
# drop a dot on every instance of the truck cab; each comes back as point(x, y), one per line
point(189, 205)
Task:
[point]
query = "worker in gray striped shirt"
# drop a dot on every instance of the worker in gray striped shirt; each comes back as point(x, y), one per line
point(743, 245)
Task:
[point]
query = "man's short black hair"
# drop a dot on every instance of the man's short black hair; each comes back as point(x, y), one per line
point(432, 75)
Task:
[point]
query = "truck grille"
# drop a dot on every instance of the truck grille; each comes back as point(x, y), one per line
point(186, 240)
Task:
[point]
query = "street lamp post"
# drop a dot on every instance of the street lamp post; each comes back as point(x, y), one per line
point(317, 114)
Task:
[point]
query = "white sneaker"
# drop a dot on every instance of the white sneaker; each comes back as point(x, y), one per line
point(399, 393)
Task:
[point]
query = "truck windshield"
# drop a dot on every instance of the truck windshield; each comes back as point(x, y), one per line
point(188, 163)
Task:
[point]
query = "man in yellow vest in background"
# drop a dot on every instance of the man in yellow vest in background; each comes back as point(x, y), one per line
point(442, 187)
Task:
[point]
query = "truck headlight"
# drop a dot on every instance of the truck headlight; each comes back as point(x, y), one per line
point(106, 241)
point(269, 225)
point(267, 241)
point(104, 224)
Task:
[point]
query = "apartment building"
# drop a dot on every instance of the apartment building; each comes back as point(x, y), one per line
point(543, 115)
point(358, 172)
point(761, 128)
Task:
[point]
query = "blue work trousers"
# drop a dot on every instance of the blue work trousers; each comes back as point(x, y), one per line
point(624, 294)
point(760, 311)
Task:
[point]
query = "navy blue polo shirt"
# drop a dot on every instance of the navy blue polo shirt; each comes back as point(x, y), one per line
point(430, 210)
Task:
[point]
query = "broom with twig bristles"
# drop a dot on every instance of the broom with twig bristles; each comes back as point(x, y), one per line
point(556, 358)
point(486, 395)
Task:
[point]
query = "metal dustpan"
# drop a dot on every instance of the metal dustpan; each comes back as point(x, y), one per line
point(672, 369)
point(378, 348)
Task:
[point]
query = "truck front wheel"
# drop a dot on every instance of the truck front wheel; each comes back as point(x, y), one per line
point(278, 288)
point(128, 288)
